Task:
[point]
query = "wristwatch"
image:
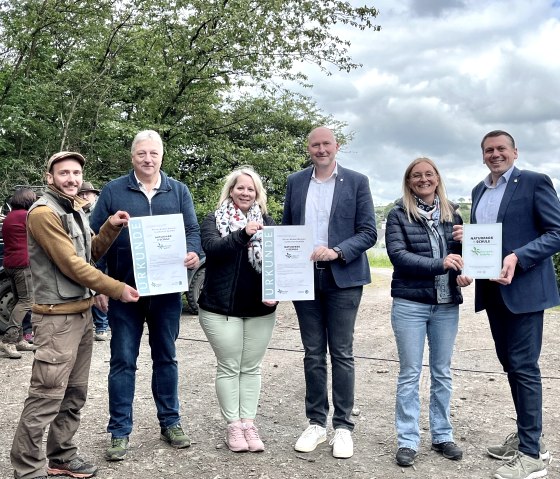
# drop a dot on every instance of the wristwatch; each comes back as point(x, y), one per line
point(340, 254)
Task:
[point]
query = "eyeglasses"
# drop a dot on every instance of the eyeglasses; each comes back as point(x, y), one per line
point(418, 176)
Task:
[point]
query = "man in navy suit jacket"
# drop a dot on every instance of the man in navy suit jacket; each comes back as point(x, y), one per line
point(527, 205)
point(337, 203)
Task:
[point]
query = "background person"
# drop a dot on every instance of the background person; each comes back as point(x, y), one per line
point(337, 203)
point(16, 265)
point(61, 248)
point(426, 261)
point(145, 191)
point(526, 204)
point(100, 322)
point(237, 323)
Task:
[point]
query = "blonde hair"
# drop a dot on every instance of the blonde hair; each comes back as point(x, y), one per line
point(409, 200)
point(231, 181)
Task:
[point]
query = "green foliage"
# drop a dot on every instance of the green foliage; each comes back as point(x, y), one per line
point(381, 212)
point(86, 76)
point(465, 212)
point(378, 258)
point(556, 261)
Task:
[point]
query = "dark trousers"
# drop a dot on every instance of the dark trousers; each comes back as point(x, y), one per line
point(22, 287)
point(329, 320)
point(518, 341)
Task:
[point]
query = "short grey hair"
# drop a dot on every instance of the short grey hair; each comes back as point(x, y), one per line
point(146, 135)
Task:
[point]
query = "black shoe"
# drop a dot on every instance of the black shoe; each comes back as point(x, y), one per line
point(405, 456)
point(449, 450)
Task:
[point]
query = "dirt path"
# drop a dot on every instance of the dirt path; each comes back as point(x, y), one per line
point(481, 406)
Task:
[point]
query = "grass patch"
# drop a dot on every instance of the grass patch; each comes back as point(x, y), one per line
point(378, 258)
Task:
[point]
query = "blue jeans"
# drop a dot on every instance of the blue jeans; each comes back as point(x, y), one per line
point(162, 314)
point(412, 322)
point(329, 320)
point(100, 321)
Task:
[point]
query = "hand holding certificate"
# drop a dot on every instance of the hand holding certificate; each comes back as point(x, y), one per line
point(158, 253)
point(482, 250)
point(287, 272)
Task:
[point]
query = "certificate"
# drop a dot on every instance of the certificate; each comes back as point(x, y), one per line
point(482, 250)
point(159, 248)
point(287, 272)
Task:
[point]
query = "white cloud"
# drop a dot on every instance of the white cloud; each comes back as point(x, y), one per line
point(437, 77)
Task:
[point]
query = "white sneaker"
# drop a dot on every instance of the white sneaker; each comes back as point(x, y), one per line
point(343, 446)
point(311, 438)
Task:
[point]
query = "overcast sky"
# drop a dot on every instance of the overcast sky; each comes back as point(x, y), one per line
point(437, 77)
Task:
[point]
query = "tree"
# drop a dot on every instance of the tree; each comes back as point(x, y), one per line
point(268, 133)
point(84, 75)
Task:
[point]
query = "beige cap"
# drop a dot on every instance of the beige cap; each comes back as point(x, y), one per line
point(63, 155)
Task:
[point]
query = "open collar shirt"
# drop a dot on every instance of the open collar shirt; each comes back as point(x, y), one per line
point(143, 189)
point(318, 206)
point(489, 204)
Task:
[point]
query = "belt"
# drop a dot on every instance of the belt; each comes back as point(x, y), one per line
point(322, 264)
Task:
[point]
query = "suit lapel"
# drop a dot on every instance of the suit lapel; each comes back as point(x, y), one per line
point(303, 192)
point(338, 188)
point(510, 190)
point(478, 192)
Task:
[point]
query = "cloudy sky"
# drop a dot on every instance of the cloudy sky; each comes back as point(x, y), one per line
point(437, 77)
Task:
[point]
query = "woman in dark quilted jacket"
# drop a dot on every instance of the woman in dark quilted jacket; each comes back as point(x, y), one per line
point(426, 300)
point(235, 319)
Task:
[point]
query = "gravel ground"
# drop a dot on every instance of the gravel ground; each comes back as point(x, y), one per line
point(481, 406)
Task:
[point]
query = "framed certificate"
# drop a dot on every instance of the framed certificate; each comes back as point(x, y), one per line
point(287, 272)
point(482, 250)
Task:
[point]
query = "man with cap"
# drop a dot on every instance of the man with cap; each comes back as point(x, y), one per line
point(61, 248)
point(100, 322)
point(89, 193)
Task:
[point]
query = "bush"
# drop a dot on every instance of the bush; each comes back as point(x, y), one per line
point(556, 261)
point(378, 258)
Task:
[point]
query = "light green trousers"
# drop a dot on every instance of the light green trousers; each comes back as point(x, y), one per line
point(239, 345)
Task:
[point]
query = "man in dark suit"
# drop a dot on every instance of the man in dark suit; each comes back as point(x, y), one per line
point(527, 205)
point(337, 203)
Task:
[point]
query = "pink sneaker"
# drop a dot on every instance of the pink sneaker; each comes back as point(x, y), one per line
point(252, 437)
point(235, 439)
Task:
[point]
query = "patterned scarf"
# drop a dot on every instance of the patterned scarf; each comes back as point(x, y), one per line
point(431, 213)
point(230, 218)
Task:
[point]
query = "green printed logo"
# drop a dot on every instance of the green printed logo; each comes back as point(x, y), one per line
point(480, 252)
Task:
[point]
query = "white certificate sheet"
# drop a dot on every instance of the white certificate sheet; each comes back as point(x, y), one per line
point(159, 248)
point(287, 272)
point(482, 250)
